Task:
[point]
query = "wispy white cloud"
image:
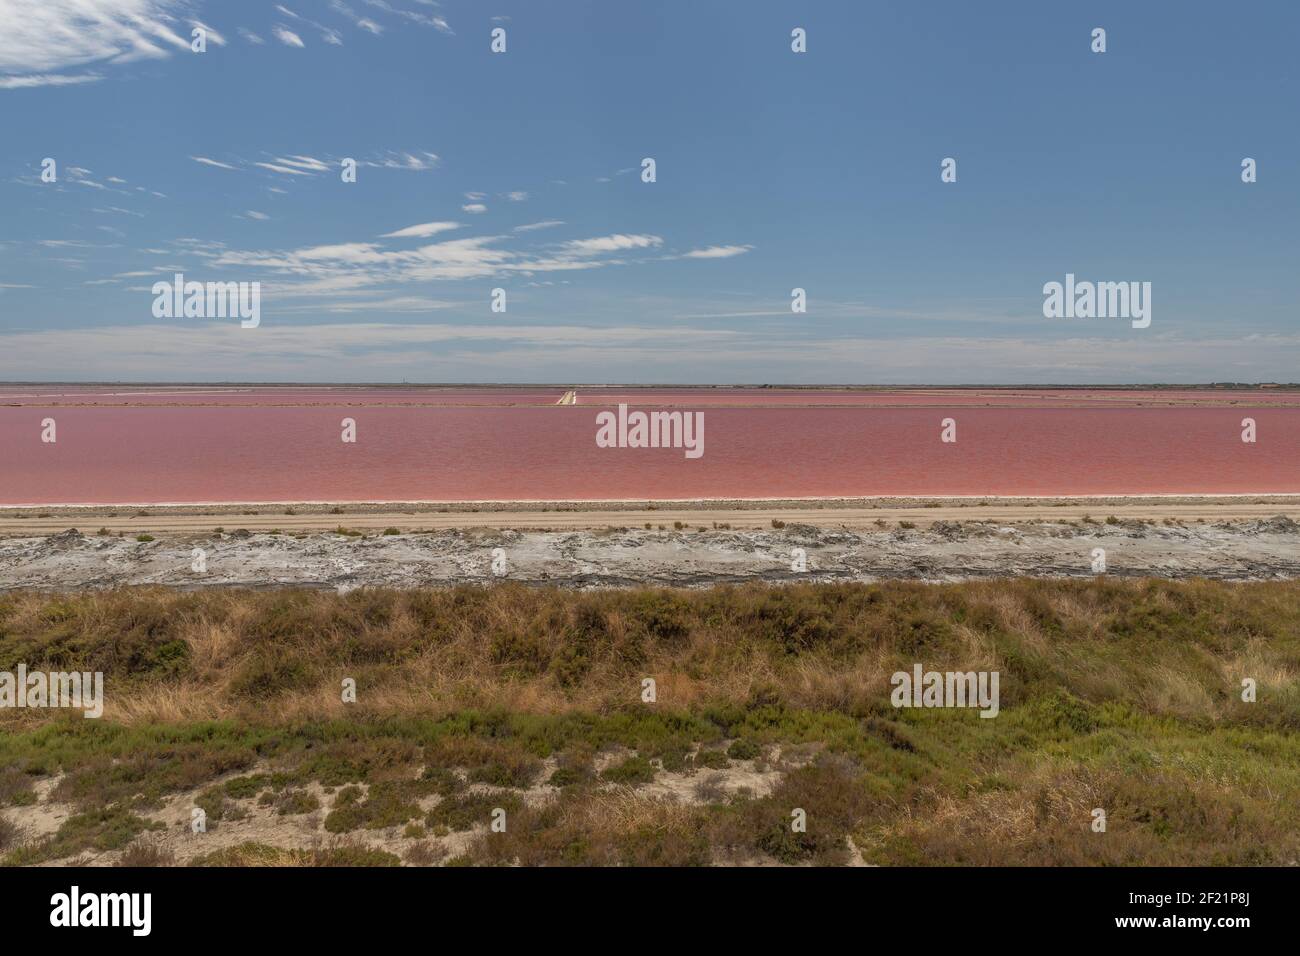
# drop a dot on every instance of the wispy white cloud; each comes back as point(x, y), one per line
point(43, 41)
point(614, 243)
point(545, 224)
point(416, 162)
point(303, 162)
point(288, 37)
point(424, 19)
point(343, 268)
point(54, 35)
point(717, 252)
point(46, 79)
point(211, 162)
point(421, 231)
point(408, 303)
point(294, 164)
point(81, 178)
point(328, 34)
point(287, 170)
point(213, 36)
point(474, 207)
point(363, 23)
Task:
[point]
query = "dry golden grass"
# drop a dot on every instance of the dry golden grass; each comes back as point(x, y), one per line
point(1119, 694)
point(259, 854)
point(1174, 648)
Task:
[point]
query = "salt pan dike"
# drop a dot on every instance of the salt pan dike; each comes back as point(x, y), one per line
point(1252, 550)
point(62, 445)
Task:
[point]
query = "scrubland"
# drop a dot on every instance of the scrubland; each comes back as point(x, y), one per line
point(1119, 695)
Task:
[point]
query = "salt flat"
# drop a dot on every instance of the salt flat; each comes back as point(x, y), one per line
point(1257, 549)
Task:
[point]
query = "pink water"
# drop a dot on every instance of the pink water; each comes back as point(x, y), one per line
point(166, 444)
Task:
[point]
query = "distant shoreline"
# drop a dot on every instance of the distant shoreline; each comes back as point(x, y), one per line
point(1130, 386)
point(860, 513)
point(628, 504)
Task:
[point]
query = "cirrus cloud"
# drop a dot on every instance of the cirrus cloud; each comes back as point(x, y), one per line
point(717, 252)
point(37, 40)
point(614, 243)
point(288, 37)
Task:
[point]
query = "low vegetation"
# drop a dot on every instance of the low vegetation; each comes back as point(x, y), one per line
point(1118, 695)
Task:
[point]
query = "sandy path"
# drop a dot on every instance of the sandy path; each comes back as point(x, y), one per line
point(269, 517)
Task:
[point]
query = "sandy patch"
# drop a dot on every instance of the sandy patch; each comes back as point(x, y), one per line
point(259, 823)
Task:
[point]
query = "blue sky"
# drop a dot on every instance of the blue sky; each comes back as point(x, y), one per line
point(775, 170)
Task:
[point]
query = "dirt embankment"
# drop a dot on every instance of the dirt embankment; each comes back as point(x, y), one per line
point(854, 513)
point(659, 554)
